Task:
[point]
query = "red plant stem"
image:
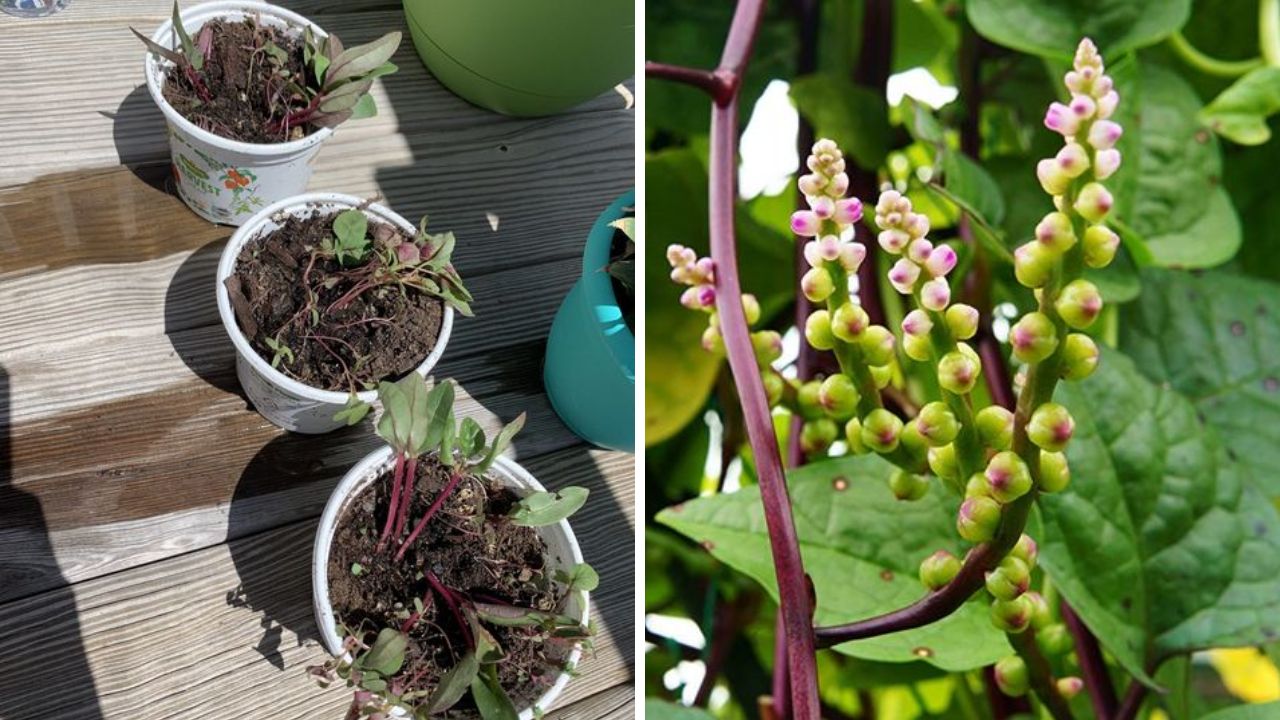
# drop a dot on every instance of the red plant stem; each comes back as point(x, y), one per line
point(393, 511)
point(781, 673)
point(454, 479)
point(197, 82)
point(298, 116)
point(1040, 674)
point(412, 620)
point(705, 80)
point(406, 500)
point(1002, 706)
point(452, 603)
point(1132, 701)
point(1093, 669)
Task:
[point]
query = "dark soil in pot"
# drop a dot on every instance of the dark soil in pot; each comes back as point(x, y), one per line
point(243, 88)
point(473, 549)
point(286, 294)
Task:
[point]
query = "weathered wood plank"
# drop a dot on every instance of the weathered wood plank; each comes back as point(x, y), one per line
point(616, 703)
point(114, 121)
point(225, 632)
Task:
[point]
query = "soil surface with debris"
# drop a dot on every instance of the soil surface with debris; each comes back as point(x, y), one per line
point(383, 333)
point(471, 548)
point(244, 93)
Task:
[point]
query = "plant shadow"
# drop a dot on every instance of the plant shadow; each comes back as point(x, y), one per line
point(191, 320)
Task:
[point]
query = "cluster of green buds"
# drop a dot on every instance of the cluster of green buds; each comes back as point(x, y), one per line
point(699, 274)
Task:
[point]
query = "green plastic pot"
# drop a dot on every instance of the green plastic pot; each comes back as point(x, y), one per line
point(525, 57)
point(590, 371)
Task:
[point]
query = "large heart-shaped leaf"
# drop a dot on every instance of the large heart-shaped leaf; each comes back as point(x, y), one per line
point(1159, 543)
point(1052, 28)
point(1240, 112)
point(1214, 338)
point(863, 550)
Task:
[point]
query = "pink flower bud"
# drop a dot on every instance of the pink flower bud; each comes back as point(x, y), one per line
point(1100, 244)
point(1073, 81)
point(917, 323)
point(918, 251)
point(705, 270)
point(936, 294)
point(407, 252)
point(1104, 134)
point(811, 184)
point(903, 275)
point(698, 297)
point(888, 202)
point(1101, 86)
point(893, 240)
point(1053, 178)
point(916, 224)
point(1108, 161)
point(1107, 104)
point(813, 253)
point(805, 223)
point(962, 320)
point(851, 256)
point(1083, 106)
point(679, 255)
point(1069, 687)
point(1093, 202)
point(941, 261)
point(839, 185)
point(1055, 233)
point(1073, 159)
point(1033, 337)
point(823, 206)
point(816, 284)
point(848, 211)
point(712, 341)
point(1033, 263)
point(829, 247)
point(1061, 120)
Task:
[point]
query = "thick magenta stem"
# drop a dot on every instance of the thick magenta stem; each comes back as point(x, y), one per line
point(406, 499)
point(394, 510)
point(704, 80)
point(412, 620)
point(435, 506)
point(1093, 668)
point(452, 603)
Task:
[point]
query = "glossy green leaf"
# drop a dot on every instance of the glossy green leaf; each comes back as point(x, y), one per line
point(1159, 543)
point(968, 181)
point(862, 549)
point(1179, 207)
point(387, 654)
point(655, 709)
point(491, 700)
point(1240, 112)
point(545, 508)
point(470, 438)
point(1215, 338)
point(500, 443)
point(1261, 711)
point(365, 107)
point(583, 577)
point(1053, 28)
point(855, 117)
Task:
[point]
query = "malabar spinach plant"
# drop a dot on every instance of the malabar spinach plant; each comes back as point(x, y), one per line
point(1041, 499)
point(419, 424)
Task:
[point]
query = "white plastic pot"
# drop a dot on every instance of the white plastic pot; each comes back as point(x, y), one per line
point(227, 181)
point(284, 401)
point(562, 552)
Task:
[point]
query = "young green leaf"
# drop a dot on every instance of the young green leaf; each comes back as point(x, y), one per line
point(188, 47)
point(447, 442)
point(355, 62)
point(365, 107)
point(354, 411)
point(157, 48)
point(413, 416)
point(454, 684)
point(470, 438)
point(350, 229)
point(501, 442)
point(281, 350)
point(491, 700)
point(387, 654)
point(345, 97)
point(541, 509)
point(583, 577)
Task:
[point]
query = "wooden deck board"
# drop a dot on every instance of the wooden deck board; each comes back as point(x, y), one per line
point(154, 531)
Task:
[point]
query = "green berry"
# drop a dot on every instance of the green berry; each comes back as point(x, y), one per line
point(1069, 687)
point(807, 401)
point(853, 437)
point(1054, 232)
point(1093, 202)
point(978, 519)
point(1009, 580)
point(1026, 550)
point(881, 430)
point(774, 385)
point(1054, 473)
point(943, 463)
point(917, 347)
point(1051, 427)
point(937, 424)
point(1007, 476)
point(1011, 616)
point(962, 320)
point(838, 396)
point(877, 345)
point(1033, 264)
point(1079, 357)
point(882, 375)
point(817, 330)
point(751, 308)
point(817, 436)
point(939, 569)
point(908, 486)
point(958, 372)
point(1011, 676)
point(912, 441)
point(817, 285)
point(1054, 639)
point(768, 346)
point(995, 427)
point(849, 322)
point(1079, 304)
point(712, 341)
point(1041, 615)
point(1033, 337)
point(977, 486)
point(1100, 244)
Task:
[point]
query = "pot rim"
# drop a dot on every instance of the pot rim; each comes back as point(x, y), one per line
point(597, 285)
point(152, 66)
point(249, 231)
point(366, 472)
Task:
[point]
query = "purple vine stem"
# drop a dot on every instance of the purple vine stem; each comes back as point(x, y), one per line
point(795, 604)
point(1093, 669)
